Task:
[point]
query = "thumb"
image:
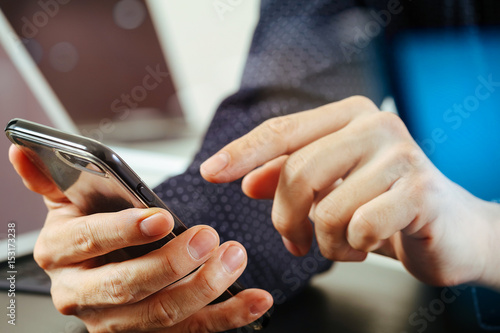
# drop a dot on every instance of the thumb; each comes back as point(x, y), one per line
point(34, 179)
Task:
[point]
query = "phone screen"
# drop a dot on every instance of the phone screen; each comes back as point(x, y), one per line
point(86, 183)
point(90, 184)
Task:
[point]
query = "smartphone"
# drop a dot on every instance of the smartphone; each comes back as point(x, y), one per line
point(96, 180)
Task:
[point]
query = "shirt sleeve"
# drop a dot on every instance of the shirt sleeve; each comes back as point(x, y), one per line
point(294, 64)
point(487, 306)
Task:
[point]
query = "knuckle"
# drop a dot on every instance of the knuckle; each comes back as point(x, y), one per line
point(115, 288)
point(326, 216)
point(329, 228)
point(294, 170)
point(208, 288)
point(336, 252)
point(326, 251)
point(61, 302)
point(84, 241)
point(60, 306)
point(64, 308)
point(172, 267)
point(364, 229)
point(272, 130)
point(406, 153)
point(42, 255)
point(388, 122)
point(402, 160)
point(330, 251)
point(278, 126)
point(281, 224)
point(411, 156)
point(163, 313)
point(362, 225)
point(362, 103)
point(422, 185)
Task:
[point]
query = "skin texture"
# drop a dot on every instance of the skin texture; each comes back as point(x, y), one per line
point(155, 292)
point(365, 184)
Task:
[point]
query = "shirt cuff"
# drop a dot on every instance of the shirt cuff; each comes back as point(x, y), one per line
point(487, 306)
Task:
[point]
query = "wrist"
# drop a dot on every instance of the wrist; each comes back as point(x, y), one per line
point(491, 273)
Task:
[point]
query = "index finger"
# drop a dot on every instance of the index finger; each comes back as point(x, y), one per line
point(281, 135)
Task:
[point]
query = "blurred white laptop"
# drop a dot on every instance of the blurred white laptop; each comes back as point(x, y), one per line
point(106, 87)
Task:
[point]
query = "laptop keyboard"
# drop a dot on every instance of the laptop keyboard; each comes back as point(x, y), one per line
point(29, 277)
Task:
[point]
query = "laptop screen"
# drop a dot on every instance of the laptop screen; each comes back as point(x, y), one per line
point(104, 62)
point(96, 64)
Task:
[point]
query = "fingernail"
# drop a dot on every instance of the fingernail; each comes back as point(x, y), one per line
point(155, 225)
point(259, 306)
point(233, 258)
point(215, 164)
point(202, 243)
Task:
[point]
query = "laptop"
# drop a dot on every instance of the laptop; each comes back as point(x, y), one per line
point(104, 61)
point(94, 68)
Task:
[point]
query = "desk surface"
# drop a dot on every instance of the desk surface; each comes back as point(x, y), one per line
point(352, 297)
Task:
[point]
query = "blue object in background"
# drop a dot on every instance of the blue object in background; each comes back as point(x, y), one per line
point(449, 86)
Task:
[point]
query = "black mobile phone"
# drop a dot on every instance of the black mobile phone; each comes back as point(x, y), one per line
point(96, 180)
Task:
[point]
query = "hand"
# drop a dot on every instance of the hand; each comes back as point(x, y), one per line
point(367, 186)
point(152, 292)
